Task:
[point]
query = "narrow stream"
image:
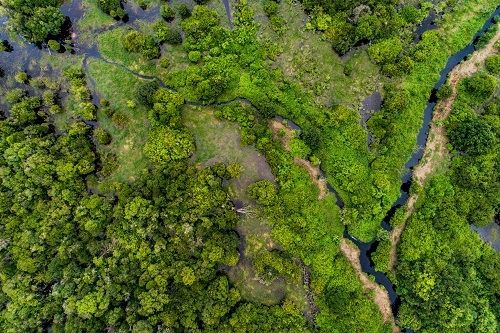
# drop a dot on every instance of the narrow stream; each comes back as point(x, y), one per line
point(368, 248)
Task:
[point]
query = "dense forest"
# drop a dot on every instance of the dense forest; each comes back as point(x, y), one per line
point(210, 166)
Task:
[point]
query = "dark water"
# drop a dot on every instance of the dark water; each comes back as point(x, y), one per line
point(490, 234)
point(429, 23)
point(227, 6)
point(371, 105)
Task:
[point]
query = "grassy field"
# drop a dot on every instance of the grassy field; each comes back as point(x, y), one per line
point(219, 141)
point(111, 48)
point(117, 86)
point(309, 61)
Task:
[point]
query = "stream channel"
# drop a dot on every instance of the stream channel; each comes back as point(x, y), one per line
point(24, 56)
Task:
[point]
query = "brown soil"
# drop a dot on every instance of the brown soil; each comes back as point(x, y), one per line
point(285, 134)
point(380, 295)
point(435, 148)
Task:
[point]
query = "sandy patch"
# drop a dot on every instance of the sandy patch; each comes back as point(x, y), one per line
point(381, 297)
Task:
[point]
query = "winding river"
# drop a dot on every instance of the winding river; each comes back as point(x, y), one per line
point(368, 248)
point(24, 56)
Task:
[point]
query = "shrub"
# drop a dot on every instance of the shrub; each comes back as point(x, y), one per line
point(164, 62)
point(492, 64)
point(86, 110)
point(270, 8)
point(15, 95)
point(43, 23)
point(54, 45)
point(472, 136)
point(161, 31)
point(165, 145)
point(194, 56)
point(145, 91)
point(173, 37)
point(133, 41)
point(183, 11)
point(150, 49)
point(102, 136)
point(49, 98)
point(264, 192)
point(119, 119)
point(444, 92)
point(55, 109)
point(480, 86)
point(21, 77)
point(386, 51)
point(167, 12)
point(112, 7)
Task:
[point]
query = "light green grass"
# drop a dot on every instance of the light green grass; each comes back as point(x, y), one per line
point(92, 19)
point(117, 86)
point(111, 48)
point(219, 141)
point(310, 62)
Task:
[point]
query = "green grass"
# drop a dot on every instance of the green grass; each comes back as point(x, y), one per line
point(219, 141)
point(111, 48)
point(117, 86)
point(92, 19)
point(310, 62)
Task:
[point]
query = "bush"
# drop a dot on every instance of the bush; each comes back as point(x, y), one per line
point(161, 31)
point(264, 192)
point(137, 42)
point(386, 51)
point(54, 45)
point(112, 7)
point(480, 86)
point(15, 95)
point(119, 119)
point(270, 8)
point(194, 56)
point(21, 77)
point(165, 145)
point(492, 64)
point(102, 136)
point(444, 92)
point(167, 12)
point(150, 49)
point(43, 23)
point(145, 91)
point(55, 109)
point(133, 41)
point(183, 11)
point(173, 37)
point(472, 136)
point(164, 62)
point(49, 98)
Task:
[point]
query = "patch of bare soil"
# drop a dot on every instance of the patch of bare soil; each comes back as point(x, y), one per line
point(435, 148)
point(380, 296)
point(285, 134)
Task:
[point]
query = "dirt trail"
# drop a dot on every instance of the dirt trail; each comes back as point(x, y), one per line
point(435, 148)
point(285, 134)
point(380, 297)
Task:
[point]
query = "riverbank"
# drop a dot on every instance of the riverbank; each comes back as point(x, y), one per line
point(435, 151)
point(380, 295)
